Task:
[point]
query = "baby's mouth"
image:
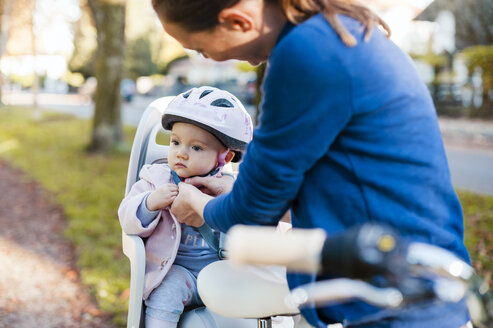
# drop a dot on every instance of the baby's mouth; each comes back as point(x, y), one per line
point(180, 165)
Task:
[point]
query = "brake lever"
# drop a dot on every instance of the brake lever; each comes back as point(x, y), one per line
point(480, 303)
point(438, 260)
point(343, 290)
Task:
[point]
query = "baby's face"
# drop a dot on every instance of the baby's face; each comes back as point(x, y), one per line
point(192, 151)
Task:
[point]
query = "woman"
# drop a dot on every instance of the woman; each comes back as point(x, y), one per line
point(347, 134)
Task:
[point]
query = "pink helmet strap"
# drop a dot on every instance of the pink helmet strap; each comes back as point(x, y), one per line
point(221, 161)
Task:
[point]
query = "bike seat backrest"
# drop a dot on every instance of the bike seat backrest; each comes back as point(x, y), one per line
point(146, 149)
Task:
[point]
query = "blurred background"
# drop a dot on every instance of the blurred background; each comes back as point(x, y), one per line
point(76, 76)
point(50, 48)
point(52, 52)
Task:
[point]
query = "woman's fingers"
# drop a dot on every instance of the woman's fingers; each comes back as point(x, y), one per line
point(215, 185)
point(172, 187)
point(198, 181)
point(182, 206)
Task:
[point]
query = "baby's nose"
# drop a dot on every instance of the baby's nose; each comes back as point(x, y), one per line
point(182, 154)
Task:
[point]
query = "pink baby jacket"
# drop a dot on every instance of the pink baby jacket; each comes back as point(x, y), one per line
point(163, 233)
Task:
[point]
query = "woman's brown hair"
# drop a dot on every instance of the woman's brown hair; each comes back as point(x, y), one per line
point(200, 15)
point(298, 11)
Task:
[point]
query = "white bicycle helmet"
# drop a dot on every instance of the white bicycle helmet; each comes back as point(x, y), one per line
point(216, 111)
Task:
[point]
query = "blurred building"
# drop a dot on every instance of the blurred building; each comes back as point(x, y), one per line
point(471, 20)
point(456, 25)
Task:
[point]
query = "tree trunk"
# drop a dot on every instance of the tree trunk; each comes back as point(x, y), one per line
point(35, 85)
point(5, 10)
point(2, 47)
point(109, 17)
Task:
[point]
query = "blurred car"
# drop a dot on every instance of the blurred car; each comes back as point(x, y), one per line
point(251, 92)
point(128, 89)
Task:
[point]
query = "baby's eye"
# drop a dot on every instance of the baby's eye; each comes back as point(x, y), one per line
point(175, 142)
point(196, 148)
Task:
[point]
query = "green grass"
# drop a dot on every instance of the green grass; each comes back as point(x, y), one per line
point(478, 214)
point(90, 188)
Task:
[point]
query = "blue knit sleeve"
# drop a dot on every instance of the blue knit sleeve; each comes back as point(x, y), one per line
point(306, 103)
point(144, 214)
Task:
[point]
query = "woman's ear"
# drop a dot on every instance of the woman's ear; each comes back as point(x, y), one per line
point(236, 19)
point(229, 156)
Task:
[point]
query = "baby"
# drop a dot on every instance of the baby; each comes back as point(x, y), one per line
point(209, 128)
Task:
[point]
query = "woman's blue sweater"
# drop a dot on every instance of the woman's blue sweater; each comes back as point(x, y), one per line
point(347, 135)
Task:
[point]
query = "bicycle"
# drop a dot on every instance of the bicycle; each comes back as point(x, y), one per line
point(408, 272)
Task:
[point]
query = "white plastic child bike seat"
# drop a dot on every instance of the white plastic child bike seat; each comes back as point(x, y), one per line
point(263, 289)
point(144, 150)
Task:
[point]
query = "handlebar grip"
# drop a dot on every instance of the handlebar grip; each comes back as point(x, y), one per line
point(299, 250)
point(362, 252)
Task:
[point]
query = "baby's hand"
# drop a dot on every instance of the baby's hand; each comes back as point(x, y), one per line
point(162, 197)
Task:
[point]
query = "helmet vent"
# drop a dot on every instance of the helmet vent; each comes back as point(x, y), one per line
point(185, 95)
point(205, 93)
point(221, 102)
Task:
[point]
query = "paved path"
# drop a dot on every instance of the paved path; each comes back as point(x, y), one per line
point(39, 282)
point(469, 147)
point(466, 133)
point(471, 169)
point(82, 106)
point(79, 105)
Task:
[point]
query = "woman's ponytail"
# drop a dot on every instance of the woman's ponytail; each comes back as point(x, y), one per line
point(298, 11)
point(199, 15)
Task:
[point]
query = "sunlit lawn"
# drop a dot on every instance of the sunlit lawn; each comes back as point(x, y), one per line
point(90, 188)
point(478, 213)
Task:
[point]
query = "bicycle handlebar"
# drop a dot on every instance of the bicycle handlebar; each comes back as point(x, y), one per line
point(298, 250)
point(362, 253)
point(359, 253)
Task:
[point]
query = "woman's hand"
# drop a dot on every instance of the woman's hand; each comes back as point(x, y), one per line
point(214, 185)
point(162, 197)
point(188, 206)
